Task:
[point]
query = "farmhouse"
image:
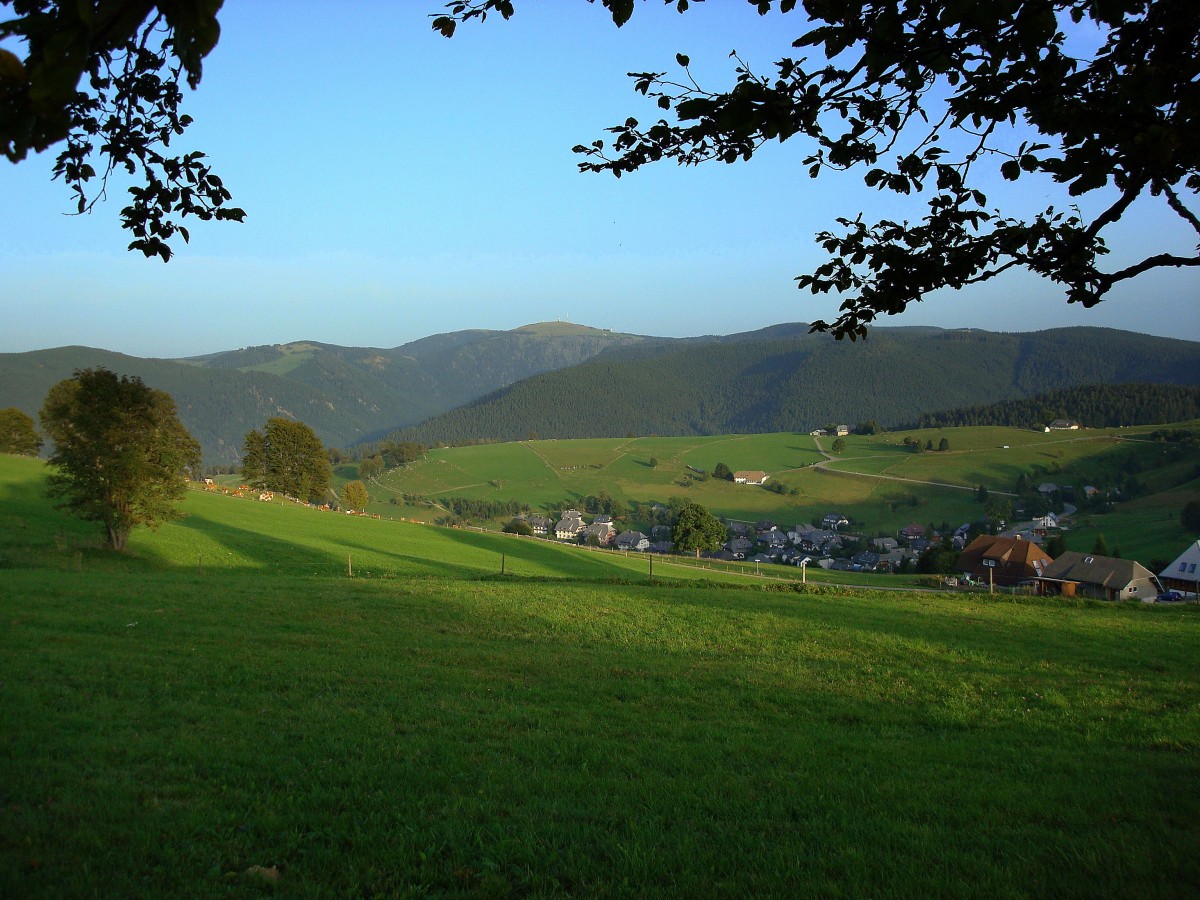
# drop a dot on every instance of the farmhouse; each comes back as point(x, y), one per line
point(603, 532)
point(539, 524)
point(750, 477)
point(569, 525)
point(1002, 561)
point(1063, 425)
point(1184, 573)
point(1103, 577)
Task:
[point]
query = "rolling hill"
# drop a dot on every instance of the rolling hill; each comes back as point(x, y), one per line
point(346, 394)
point(786, 381)
point(564, 380)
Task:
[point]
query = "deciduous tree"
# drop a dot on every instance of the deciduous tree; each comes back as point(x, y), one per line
point(121, 456)
point(18, 434)
point(697, 530)
point(354, 495)
point(104, 79)
point(287, 456)
point(924, 97)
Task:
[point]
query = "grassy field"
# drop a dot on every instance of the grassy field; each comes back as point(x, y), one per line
point(875, 479)
point(244, 725)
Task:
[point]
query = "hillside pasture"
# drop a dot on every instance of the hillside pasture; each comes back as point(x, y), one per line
point(544, 473)
point(182, 735)
point(224, 711)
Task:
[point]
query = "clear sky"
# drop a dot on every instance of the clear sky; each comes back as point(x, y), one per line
point(398, 184)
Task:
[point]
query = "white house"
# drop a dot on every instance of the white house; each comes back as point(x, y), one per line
point(750, 477)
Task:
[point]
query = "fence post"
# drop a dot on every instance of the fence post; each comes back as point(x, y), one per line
point(349, 566)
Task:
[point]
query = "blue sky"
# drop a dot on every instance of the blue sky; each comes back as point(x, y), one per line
point(398, 184)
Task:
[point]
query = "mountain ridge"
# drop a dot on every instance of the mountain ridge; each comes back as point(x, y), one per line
point(579, 381)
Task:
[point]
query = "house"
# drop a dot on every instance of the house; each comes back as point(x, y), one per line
point(885, 544)
point(776, 539)
point(750, 477)
point(1049, 520)
point(631, 540)
point(843, 430)
point(1104, 577)
point(1046, 488)
point(602, 520)
point(912, 531)
point(539, 524)
point(740, 546)
point(1184, 573)
point(866, 561)
point(1002, 561)
point(1063, 425)
point(660, 547)
point(603, 532)
point(569, 525)
point(818, 432)
point(834, 521)
point(763, 527)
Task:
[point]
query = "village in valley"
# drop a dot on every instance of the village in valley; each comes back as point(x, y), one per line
point(988, 553)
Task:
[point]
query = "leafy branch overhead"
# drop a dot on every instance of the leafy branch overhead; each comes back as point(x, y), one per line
point(103, 79)
point(920, 95)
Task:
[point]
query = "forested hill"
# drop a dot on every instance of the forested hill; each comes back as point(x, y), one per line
point(751, 383)
point(1093, 406)
point(345, 394)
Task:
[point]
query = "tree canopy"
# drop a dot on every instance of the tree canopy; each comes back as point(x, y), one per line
point(923, 96)
point(697, 530)
point(18, 434)
point(121, 456)
point(926, 97)
point(287, 456)
point(354, 495)
point(104, 79)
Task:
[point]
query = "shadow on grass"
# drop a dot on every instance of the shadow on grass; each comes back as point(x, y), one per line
point(548, 559)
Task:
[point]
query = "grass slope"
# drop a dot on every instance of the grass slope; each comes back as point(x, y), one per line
point(876, 479)
point(166, 732)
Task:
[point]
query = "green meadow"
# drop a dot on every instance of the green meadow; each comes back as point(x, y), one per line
point(225, 711)
point(876, 479)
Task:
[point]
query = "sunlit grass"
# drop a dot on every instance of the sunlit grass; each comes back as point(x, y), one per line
point(225, 700)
